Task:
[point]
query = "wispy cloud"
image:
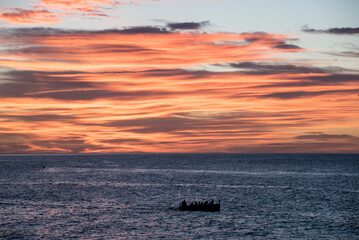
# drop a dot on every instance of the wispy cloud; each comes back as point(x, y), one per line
point(22, 16)
point(53, 11)
point(354, 54)
point(328, 137)
point(300, 94)
point(343, 30)
point(259, 68)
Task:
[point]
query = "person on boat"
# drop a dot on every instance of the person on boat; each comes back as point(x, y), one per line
point(183, 203)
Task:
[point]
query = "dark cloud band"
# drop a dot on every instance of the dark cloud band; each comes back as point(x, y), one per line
point(188, 25)
point(344, 30)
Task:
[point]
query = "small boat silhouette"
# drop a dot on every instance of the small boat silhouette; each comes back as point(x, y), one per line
point(200, 206)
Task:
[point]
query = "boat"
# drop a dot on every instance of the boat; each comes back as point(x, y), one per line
point(200, 206)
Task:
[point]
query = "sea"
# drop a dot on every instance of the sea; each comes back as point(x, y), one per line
point(135, 196)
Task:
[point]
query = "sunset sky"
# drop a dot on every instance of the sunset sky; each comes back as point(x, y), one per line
point(237, 76)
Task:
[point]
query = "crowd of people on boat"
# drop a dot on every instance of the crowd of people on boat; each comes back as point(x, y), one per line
point(200, 206)
point(197, 204)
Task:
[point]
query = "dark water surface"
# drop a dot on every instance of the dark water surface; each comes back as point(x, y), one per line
point(263, 196)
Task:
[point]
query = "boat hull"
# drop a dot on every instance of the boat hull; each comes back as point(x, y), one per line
point(206, 208)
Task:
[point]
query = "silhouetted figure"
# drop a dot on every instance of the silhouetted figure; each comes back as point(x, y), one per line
point(184, 204)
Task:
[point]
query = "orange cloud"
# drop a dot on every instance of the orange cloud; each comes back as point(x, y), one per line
point(52, 11)
point(22, 16)
point(151, 89)
point(85, 4)
point(89, 6)
point(123, 48)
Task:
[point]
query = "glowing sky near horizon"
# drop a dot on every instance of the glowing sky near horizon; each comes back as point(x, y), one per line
point(106, 76)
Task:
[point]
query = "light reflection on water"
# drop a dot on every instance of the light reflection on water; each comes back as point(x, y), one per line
point(129, 196)
point(187, 171)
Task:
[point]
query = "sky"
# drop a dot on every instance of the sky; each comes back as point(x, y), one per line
point(181, 76)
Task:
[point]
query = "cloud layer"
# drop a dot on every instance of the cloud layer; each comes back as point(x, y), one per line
point(161, 89)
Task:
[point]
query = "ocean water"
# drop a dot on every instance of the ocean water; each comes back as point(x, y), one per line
point(263, 196)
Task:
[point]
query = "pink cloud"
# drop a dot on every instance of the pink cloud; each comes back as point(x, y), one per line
point(90, 6)
point(23, 16)
point(51, 11)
